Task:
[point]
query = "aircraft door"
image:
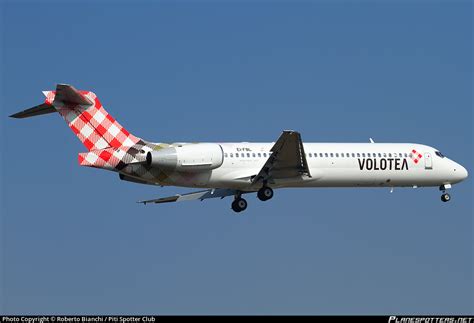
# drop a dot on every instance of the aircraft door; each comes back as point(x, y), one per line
point(428, 161)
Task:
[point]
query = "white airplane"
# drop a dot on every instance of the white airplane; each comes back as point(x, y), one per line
point(235, 169)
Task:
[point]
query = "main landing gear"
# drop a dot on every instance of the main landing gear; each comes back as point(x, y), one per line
point(265, 193)
point(445, 197)
point(239, 204)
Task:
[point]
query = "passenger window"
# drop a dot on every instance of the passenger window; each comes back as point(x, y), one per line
point(389, 155)
point(406, 155)
point(225, 155)
point(358, 154)
point(320, 154)
point(264, 154)
point(259, 155)
point(237, 155)
point(337, 155)
point(332, 154)
point(385, 154)
point(231, 155)
point(310, 155)
point(326, 154)
point(248, 154)
point(380, 155)
point(315, 155)
point(353, 155)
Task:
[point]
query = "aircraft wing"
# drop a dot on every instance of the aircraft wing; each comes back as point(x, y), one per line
point(287, 159)
point(201, 195)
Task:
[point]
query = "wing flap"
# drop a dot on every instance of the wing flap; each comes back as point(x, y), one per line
point(201, 195)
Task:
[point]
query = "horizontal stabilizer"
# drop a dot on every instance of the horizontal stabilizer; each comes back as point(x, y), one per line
point(34, 111)
point(68, 94)
point(201, 195)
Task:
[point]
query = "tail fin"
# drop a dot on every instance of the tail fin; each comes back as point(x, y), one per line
point(86, 117)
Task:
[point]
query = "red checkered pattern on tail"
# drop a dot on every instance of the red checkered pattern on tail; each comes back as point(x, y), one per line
point(105, 158)
point(92, 124)
point(416, 156)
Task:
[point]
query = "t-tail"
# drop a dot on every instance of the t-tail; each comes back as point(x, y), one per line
point(109, 145)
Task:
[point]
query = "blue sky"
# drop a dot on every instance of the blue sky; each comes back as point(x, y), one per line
point(75, 241)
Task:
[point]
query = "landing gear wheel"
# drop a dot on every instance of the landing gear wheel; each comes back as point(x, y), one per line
point(265, 193)
point(445, 197)
point(239, 205)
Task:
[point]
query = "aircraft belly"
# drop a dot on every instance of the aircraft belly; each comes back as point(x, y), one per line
point(350, 177)
point(240, 178)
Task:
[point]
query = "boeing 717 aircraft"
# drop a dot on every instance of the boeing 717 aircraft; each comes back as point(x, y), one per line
point(235, 169)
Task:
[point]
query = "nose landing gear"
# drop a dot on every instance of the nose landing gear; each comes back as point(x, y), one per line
point(445, 197)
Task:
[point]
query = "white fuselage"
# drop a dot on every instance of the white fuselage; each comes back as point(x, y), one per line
point(334, 165)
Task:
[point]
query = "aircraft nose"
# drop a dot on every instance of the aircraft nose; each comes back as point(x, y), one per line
point(464, 172)
point(460, 172)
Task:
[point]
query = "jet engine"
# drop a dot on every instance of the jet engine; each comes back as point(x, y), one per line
point(187, 157)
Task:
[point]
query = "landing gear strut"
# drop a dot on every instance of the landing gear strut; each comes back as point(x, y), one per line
point(265, 193)
point(239, 204)
point(445, 197)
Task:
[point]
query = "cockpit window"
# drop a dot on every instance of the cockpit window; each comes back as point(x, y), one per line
point(439, 154)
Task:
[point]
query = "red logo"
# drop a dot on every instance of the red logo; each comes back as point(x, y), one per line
point(415, 156)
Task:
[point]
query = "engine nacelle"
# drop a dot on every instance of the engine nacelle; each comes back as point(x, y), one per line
point(187, 158)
